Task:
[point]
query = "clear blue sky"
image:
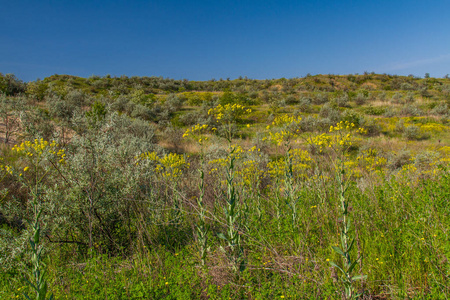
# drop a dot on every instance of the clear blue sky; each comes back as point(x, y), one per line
point(200, 40)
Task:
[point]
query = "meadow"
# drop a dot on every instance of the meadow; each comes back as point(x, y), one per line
point(321, 187)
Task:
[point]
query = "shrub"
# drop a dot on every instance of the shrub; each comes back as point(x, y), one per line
point(371, 127)
point(352, 116)
point(413, 132)
point(309, 123)
point(397, 98)
point(374, 110)
point(121, 104)
point(304, 104)
point(406, 86)
point(397, 160)
point(11, 85)
point(75, 98)
point(382, 96)
point(291, 100)
point(360, 99)
point(320, 99)
point(60, 108)
point(440, 110)
point(143, 112)
point(173, 102)
point(343, 101)
point(411, 110)
point(330, 112)
point(410, 98)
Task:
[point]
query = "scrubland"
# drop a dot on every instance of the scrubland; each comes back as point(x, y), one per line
point(322, 187)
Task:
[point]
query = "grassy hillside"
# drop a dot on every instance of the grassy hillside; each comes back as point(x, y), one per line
point(322, 187)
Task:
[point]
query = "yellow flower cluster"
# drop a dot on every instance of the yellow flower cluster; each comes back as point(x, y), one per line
point(250, 171)
point(343, 125)
point(341, 135)
point(287, 128)
point(351, 166)
point(197, 132)
point(228, 112)
point(195, 129)
point(433, 128)
point(286, 120)
point(301, 161)
point(371, 161)
point(168, 166)
point(322, 141)
point(40, 147)
point(5, 168)
point(235, 154)
point(408, 174)
point(347, 126)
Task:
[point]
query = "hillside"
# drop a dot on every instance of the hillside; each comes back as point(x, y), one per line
point(327, 186)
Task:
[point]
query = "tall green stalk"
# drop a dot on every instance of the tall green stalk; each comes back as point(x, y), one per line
point(202, 226)
point(289, 191)
point(347, 240)
point(37, 282)
point(235, 249)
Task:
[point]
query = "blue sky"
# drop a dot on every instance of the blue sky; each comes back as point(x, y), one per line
point(200, 40)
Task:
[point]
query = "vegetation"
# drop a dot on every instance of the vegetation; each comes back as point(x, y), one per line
point(322, 187)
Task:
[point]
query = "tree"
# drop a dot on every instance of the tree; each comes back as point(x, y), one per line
point(11, 85)
point(9, 116)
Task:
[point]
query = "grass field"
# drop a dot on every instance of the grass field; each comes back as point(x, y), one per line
point(323, 187)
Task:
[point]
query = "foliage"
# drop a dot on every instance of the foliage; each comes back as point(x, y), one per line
point(151, 188)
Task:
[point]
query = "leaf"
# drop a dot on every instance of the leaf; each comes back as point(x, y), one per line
point(336, 266)
point(351, 245)
point(353, 265)
point(338, 250)
point(222, 236)
point(359, 277)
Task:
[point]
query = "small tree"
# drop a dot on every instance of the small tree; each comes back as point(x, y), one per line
point(9, 116)
point(11, 85)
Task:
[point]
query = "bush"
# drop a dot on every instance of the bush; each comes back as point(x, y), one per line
point(352, 117)
point(173, 102)
point(121, 104)
point(60, 108)
point(413, 133)
point(320, 99)
point(397, 98)
point(371, 126)
point(142, 112)
point(343, 101)
point(11, 85)
point(374, 110)
point(330, 112)
point(440, 110)
point(411, 110)
point(291, 100)
point(75, 98)
point(410, 98)
point(309, 123)
point(360, 99)
point(398, 160)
